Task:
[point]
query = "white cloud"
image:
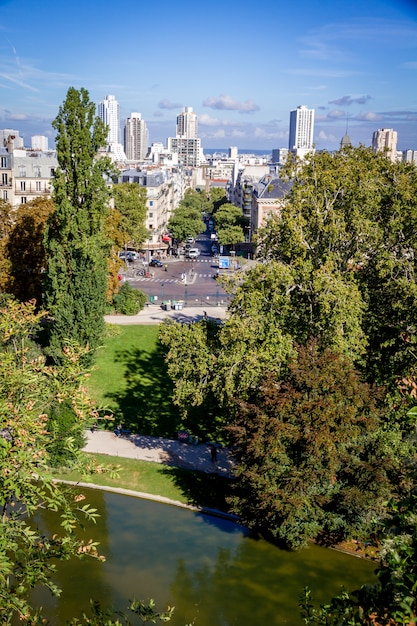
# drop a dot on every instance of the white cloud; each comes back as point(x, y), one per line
point(370, 116)
point(227, 103)
point(167, 104)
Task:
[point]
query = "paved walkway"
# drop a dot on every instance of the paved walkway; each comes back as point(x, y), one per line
point(154, 314)
point(160, 450)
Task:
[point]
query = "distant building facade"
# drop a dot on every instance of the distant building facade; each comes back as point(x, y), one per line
point(135, 138)
point(25, 174)
point(385, 140)
point(39, 142)
point(301, 131)
point(108, 111)
point(186, 144)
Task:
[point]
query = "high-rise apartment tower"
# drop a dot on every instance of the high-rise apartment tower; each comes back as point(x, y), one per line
point(187, 124)
point(301, 131)
point(186, 143)
point(108, 112)
point(136, 137)
point(385, 139)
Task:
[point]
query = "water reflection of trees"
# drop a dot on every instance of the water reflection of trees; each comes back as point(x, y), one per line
point(83, 579)
point(259, 584)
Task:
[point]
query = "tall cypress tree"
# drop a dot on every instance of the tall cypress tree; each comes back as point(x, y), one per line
point(75, 241)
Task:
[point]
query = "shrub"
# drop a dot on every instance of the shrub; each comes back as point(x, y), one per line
point(129, 301)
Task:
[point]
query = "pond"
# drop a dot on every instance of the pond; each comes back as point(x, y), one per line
point(209, 568)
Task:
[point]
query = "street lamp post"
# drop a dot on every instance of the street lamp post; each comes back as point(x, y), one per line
point(163, 294)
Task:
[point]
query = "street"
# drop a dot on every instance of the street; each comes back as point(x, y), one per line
point(193, 281)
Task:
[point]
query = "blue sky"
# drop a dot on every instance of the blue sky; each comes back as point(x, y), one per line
point(242, 66)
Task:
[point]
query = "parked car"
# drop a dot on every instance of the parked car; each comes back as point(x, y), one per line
point(189, 239)
point(156, 263)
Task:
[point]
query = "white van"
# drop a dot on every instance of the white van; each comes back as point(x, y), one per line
point(193, 253)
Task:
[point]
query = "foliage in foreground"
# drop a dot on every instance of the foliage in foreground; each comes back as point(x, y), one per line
point(393, 599)
point(28, 387)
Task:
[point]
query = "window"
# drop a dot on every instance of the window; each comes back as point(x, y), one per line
point(4, 179)
point(23, 200)
point(151, 203)
point(150, 214)
point(37, 171)
point(3, 161)
point(38, 185)
point(22, 185)
point(150, 226)
point(22, 170)
point(4, 195)
point(52, 172)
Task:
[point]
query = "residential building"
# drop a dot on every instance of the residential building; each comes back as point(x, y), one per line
point(410, 156)
point(164, 190)
point(268, 198)
point(187, 124)
point(7, 133)
point(108, 112)
point(385, 140)
point(25, 174)
point(279, 155)
point(186, 144)
point(135, 138)
point(301, 131)
point(39, 142)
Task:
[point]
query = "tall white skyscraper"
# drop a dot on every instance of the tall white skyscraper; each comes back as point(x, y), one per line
point(385, 139)
point(301, 131)
point(108, 111)
point(136, 137)
point(187, 124)
point(186, 143)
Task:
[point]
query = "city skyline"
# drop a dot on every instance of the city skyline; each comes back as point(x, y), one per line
point(240, 68)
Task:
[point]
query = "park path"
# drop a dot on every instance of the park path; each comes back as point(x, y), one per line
point(160, 450)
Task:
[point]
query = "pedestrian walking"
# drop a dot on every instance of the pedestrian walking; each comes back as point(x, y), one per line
point(166, 267)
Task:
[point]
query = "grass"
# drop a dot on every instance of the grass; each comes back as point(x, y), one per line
point(185, 486)
point(130, 379)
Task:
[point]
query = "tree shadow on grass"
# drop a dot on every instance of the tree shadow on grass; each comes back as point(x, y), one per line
point(201, 488)
point(145, 404)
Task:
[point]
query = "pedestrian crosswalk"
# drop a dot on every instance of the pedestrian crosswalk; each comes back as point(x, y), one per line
point(170, 280)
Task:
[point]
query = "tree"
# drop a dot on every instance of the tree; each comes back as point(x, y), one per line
point(6, 224)
point(130, 201)
point(187, 218)
point(229, 220)
point(217, 199)
point(312, 460)
point(392, 600)
point(28, 554)
point(75, 237)
point(26, 252)
point(351, 217)
point(344, 241)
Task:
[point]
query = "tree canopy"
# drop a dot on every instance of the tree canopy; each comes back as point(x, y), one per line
point(130, 201)
point(187, 218)
point(28, 389)
point(337, 266)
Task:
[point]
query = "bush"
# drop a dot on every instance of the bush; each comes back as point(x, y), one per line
point(63, 423)
point(129, 301)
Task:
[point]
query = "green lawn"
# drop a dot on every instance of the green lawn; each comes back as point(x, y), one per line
point(130, 379)
point(188, 487)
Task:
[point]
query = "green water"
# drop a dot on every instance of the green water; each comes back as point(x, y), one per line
point(210, 569)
